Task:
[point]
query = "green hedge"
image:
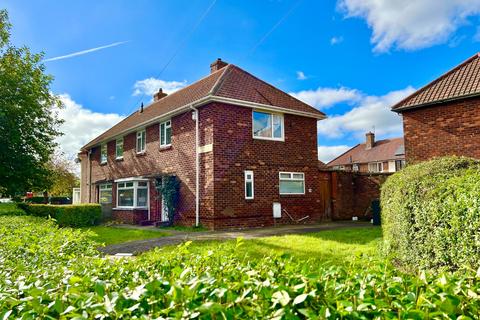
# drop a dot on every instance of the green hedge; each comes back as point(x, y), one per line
point(81, 215)
point(11, 209)
point(431, 214)
point(55, 273)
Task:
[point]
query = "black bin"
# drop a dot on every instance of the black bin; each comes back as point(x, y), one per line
point(376, 212)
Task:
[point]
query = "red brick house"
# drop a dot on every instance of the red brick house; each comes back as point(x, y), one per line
point(383, 156)
point(238, 146)
point(443, 117)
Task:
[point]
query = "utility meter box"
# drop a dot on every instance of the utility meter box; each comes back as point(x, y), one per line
point(277, 210)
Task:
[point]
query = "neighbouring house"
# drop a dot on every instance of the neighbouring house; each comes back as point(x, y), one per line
point(241, 149)
point(443, 117)
point(383, 156)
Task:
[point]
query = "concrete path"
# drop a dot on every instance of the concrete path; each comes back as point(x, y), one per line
point(179, 237)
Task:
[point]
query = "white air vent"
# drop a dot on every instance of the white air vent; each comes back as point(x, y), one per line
point(277, 210)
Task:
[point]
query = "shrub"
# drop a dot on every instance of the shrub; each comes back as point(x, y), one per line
point(37, 200)
point(52, 273)
point(11, 209)
point(81, 215)
point(431, 214)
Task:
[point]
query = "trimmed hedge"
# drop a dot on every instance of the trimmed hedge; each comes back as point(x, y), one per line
point(81, 215)
point(11, 209)
point(431, 214)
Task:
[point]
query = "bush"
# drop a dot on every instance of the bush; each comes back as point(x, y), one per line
point(60, 200)
point(81, 215)
point(431, 214)
point(37, 200)
point(11, 209)
point(52, 273)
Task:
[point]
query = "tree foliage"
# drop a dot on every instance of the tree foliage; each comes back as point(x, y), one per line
point(28, 117)
point(62, 178)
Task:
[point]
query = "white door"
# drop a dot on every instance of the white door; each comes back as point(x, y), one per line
point(164, 211)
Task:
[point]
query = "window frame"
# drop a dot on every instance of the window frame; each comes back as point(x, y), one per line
point(102, 150)
point(143, 137)
point(135, 188)
point(280, 179)
point(167, 124)
point(247, 181)
point(271, 114)
point(105, 187)
point(377, 166)
point(355, 167)
point(117, 142)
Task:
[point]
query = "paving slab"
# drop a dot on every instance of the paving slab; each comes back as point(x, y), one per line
point(139, 246)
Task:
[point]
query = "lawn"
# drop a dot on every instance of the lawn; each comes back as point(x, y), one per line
point(332, 246)
point(113, 235)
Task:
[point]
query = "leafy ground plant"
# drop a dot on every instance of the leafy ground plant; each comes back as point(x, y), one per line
point(72, 281)
point(111, 235)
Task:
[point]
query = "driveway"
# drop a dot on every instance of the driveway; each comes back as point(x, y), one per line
point(145, 245)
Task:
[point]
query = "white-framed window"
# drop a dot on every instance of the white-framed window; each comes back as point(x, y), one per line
point(355, 167)
point(292, 183)
point(399, 165)
point(248, 184)
point(141, 135)
point(132, 194)
point(375, 167)
point(166, 133)
point(105, 193)
point(267, 126)
point(103, 153)
point(119, 148)
point(341, 168)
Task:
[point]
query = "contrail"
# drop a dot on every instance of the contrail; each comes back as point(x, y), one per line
point(79, 53)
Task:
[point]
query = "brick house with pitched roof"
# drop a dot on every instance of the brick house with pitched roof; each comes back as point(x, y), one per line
point(237, 145)
point(382, 156)
point(443, 117)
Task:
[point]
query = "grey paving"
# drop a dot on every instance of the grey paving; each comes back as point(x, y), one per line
point(179, 237)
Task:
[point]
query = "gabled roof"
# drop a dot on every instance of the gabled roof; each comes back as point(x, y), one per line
point(383, 150)
point(463, 81)
point(230, 84)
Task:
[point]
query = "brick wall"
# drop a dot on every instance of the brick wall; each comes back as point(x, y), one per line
point(449, 129)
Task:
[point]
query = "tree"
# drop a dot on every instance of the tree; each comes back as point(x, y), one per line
point(62, 178)
point(28, 117)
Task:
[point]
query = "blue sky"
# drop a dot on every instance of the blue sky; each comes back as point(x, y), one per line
point(351, 59)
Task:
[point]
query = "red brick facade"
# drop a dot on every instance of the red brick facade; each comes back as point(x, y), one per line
point(448, 129)
point(228, 129)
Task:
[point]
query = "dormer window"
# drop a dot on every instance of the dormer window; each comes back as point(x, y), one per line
point(268, 126)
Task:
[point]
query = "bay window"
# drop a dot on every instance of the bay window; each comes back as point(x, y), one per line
point(166, 133)
point(132, 194)
point(292, 183)
point(267, 125)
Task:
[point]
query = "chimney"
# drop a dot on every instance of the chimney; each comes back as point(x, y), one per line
point(370, 141)
point(159, 95)
point(217, 65)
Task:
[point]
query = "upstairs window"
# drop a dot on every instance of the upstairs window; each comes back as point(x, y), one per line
point(141, 135)
point(166, 133)
point(248, 184)
point(292, 183)
point(375, 167)
point(103, 153)
point(119, 148)
point(267, 125)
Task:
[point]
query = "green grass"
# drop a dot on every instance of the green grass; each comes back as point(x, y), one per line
point(113, 235)
point(183, 228)
point(333, 246)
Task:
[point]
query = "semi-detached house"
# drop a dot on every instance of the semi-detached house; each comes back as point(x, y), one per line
point(238, 146)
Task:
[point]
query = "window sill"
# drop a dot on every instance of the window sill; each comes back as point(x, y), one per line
point(167, 147)
point(292, 195)
point(141, 154)
point(269, 139)
point(130, 208)
point(119, 159)
point(103, 163)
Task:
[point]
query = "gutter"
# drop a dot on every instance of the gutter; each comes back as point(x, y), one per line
point(197, 167)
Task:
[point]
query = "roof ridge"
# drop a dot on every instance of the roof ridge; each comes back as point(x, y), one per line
point(221, 79)
point(431, 83)
point(358, 144)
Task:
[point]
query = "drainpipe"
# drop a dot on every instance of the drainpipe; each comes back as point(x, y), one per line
point(89, 176)
point(197, 168)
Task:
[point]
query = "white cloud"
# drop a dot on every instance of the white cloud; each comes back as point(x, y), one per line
point(410, 25)
point(323, 98)
point(371, 111)
point(328, 153)
point(81, 53)
point(301, 75)
point(336, 40)
point(81, 125)
point(151, 85)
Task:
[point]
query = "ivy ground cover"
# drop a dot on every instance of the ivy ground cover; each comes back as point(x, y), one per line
point(53, 273)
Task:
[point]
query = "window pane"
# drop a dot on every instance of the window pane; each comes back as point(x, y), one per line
point(248, 189)
point(105, 196)
point(277, 126)
point(284, 175)
point(262, 125)
point(119, 149)
point(162, 134)
point(287, 187)
point(297, 176)
point(142, 197)
point(125, 198)
point(129, 184)
point(103, 153)
point(168, 135)
point(142, 184)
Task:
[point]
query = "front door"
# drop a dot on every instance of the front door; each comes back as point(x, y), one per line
point(164, 211)
point(105, 199)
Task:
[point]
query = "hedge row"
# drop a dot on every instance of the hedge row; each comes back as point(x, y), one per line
point(52, 273)
point(66, 215)
point(431, 214)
